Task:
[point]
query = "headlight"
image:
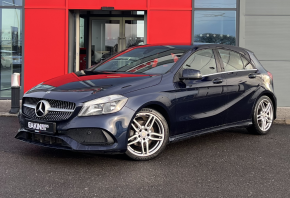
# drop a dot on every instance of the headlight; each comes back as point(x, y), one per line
point(104, 105)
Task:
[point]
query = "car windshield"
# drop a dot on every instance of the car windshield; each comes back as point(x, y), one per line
point(147, 60)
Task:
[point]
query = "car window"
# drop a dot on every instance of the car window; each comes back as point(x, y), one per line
point(148, 60)
point(247, 64)
point(203, 60)
point(232, 61)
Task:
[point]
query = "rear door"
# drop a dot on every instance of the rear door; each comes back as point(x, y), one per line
point(242, 82)
point(200, 102)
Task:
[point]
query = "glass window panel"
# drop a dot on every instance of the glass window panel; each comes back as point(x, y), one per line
point(83, 50)
point(225, 55)
point(249, 66)
point(105, 39)
point(215, 27)
point(215, 4)
point(232, 61)
point(134, 32)
point(245, 61)
point(235, 62)
point(82, 32)
point(11, 47)
point(10, 2)
point(203, 61)
point(148, 60)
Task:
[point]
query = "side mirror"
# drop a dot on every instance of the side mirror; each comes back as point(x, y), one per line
point(191, 74)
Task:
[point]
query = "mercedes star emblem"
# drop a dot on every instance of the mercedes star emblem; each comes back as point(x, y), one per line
point(41, 108)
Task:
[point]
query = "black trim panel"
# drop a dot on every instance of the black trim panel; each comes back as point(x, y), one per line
point(210, 130)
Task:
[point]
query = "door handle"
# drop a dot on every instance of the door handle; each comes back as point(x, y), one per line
point(251, 75)
point(217, 81)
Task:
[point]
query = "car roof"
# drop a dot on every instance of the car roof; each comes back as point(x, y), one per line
point(198, 46)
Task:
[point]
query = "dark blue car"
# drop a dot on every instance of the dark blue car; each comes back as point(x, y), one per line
point(144, 97)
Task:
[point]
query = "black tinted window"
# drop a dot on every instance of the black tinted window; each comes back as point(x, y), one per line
point(148, 60)
point(232, 61)
point(203, 60)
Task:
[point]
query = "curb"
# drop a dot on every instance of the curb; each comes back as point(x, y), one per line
point(277, 121)
point(5, 114)
point(281, 121)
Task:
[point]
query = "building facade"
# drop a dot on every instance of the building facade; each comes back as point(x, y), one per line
point(45, 39)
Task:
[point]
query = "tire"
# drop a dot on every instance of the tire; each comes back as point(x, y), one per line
point(262, 116)
point(148, 129)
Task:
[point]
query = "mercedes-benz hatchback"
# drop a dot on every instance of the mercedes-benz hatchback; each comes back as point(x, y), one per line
point(144, 97)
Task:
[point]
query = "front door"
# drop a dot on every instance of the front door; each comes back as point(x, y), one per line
point(109, 35)
point(200, 103)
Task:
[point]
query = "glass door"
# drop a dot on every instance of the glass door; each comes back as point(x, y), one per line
point(10, 47)
point(109, 35)
point(134, 31)
point(105, 38)
point(92, 39)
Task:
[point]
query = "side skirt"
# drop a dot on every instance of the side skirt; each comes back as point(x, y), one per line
point(184, 136)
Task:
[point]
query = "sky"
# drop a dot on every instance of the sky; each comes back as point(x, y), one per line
point(216, 22)
point(215, 3)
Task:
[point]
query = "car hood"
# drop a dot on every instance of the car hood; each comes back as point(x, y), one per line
point(83, 86)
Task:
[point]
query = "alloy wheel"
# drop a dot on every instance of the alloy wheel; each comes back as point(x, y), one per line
point(265, 115)
point(146, 134)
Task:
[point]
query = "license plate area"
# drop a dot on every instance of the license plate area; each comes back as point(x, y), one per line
point(40, 126)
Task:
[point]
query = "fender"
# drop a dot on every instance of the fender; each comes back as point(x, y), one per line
point(163, 100)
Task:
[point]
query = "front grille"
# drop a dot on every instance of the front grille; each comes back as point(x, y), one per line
point(53, 103)
point(65, 109)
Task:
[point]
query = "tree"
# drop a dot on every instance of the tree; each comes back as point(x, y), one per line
point(215, 38)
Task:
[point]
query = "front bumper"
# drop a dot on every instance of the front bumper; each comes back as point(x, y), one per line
point(101, 134)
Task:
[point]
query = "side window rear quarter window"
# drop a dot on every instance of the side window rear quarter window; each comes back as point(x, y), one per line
point(202, 60)
point(247, 64)
point(232, 61)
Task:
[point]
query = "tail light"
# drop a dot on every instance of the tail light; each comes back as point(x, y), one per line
point(271, 76)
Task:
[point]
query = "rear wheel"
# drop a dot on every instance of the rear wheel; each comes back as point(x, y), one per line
point(263, 116)
point(148, 135)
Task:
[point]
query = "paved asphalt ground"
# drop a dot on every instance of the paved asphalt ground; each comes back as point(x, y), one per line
point(225, 164)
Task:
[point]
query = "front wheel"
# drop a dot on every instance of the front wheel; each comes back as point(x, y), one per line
point(262, 117)
point(148, 135)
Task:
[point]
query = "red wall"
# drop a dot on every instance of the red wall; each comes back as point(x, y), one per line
point(45, 3)
point(117, 4)
point(171, 27)
point(46, 30)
